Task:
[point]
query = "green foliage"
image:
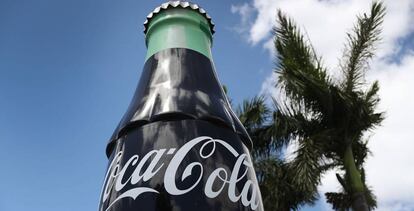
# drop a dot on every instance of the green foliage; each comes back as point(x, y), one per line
point(324, 117)
point(361, 46)
point(342, 201)
point(273, 173)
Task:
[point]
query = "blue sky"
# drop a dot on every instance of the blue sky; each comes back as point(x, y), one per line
point(68, 70)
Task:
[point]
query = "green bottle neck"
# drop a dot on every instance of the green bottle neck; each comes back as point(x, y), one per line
point(179, 28)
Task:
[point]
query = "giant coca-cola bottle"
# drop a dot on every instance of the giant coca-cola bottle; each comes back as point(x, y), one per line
point(179, 146)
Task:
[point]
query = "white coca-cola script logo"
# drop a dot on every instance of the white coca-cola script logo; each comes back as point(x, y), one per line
point(116, 177)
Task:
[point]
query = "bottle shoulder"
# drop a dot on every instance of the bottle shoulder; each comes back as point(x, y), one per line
point(179, 84)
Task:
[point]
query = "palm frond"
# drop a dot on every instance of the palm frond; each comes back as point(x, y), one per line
point(371, 95)
point(371, 101)
point(255, 115)
point(363, 112)
point(339, 201)
point(301, 74)
point(342, 201)
point(253, 112)
point(361, 46)
point(278, 193)
point(307, 169)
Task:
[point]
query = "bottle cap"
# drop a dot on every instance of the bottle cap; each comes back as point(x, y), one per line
point(178, 4)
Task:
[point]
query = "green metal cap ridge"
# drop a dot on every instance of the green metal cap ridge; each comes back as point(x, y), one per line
point(176, 26)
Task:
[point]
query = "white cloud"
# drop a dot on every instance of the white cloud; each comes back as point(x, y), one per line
point(268, 86)
point(327, 21)
point(246, 13)
point(390, 171)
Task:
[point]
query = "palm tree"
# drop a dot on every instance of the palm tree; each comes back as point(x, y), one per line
point(326, 118)
point(273, 172)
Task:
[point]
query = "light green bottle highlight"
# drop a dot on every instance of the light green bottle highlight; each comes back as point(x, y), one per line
point(178, 28)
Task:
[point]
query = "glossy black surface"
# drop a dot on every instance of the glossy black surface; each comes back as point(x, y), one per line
point(179, 100)
point(179, 83)
point(174, 134)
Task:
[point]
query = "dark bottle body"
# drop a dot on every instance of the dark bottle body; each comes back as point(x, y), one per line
point(179, 146)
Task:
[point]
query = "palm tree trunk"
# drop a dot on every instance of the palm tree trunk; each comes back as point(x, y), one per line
point(359, 202)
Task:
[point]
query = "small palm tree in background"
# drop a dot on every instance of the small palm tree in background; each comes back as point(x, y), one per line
point(272, 171)
point(325, 118)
